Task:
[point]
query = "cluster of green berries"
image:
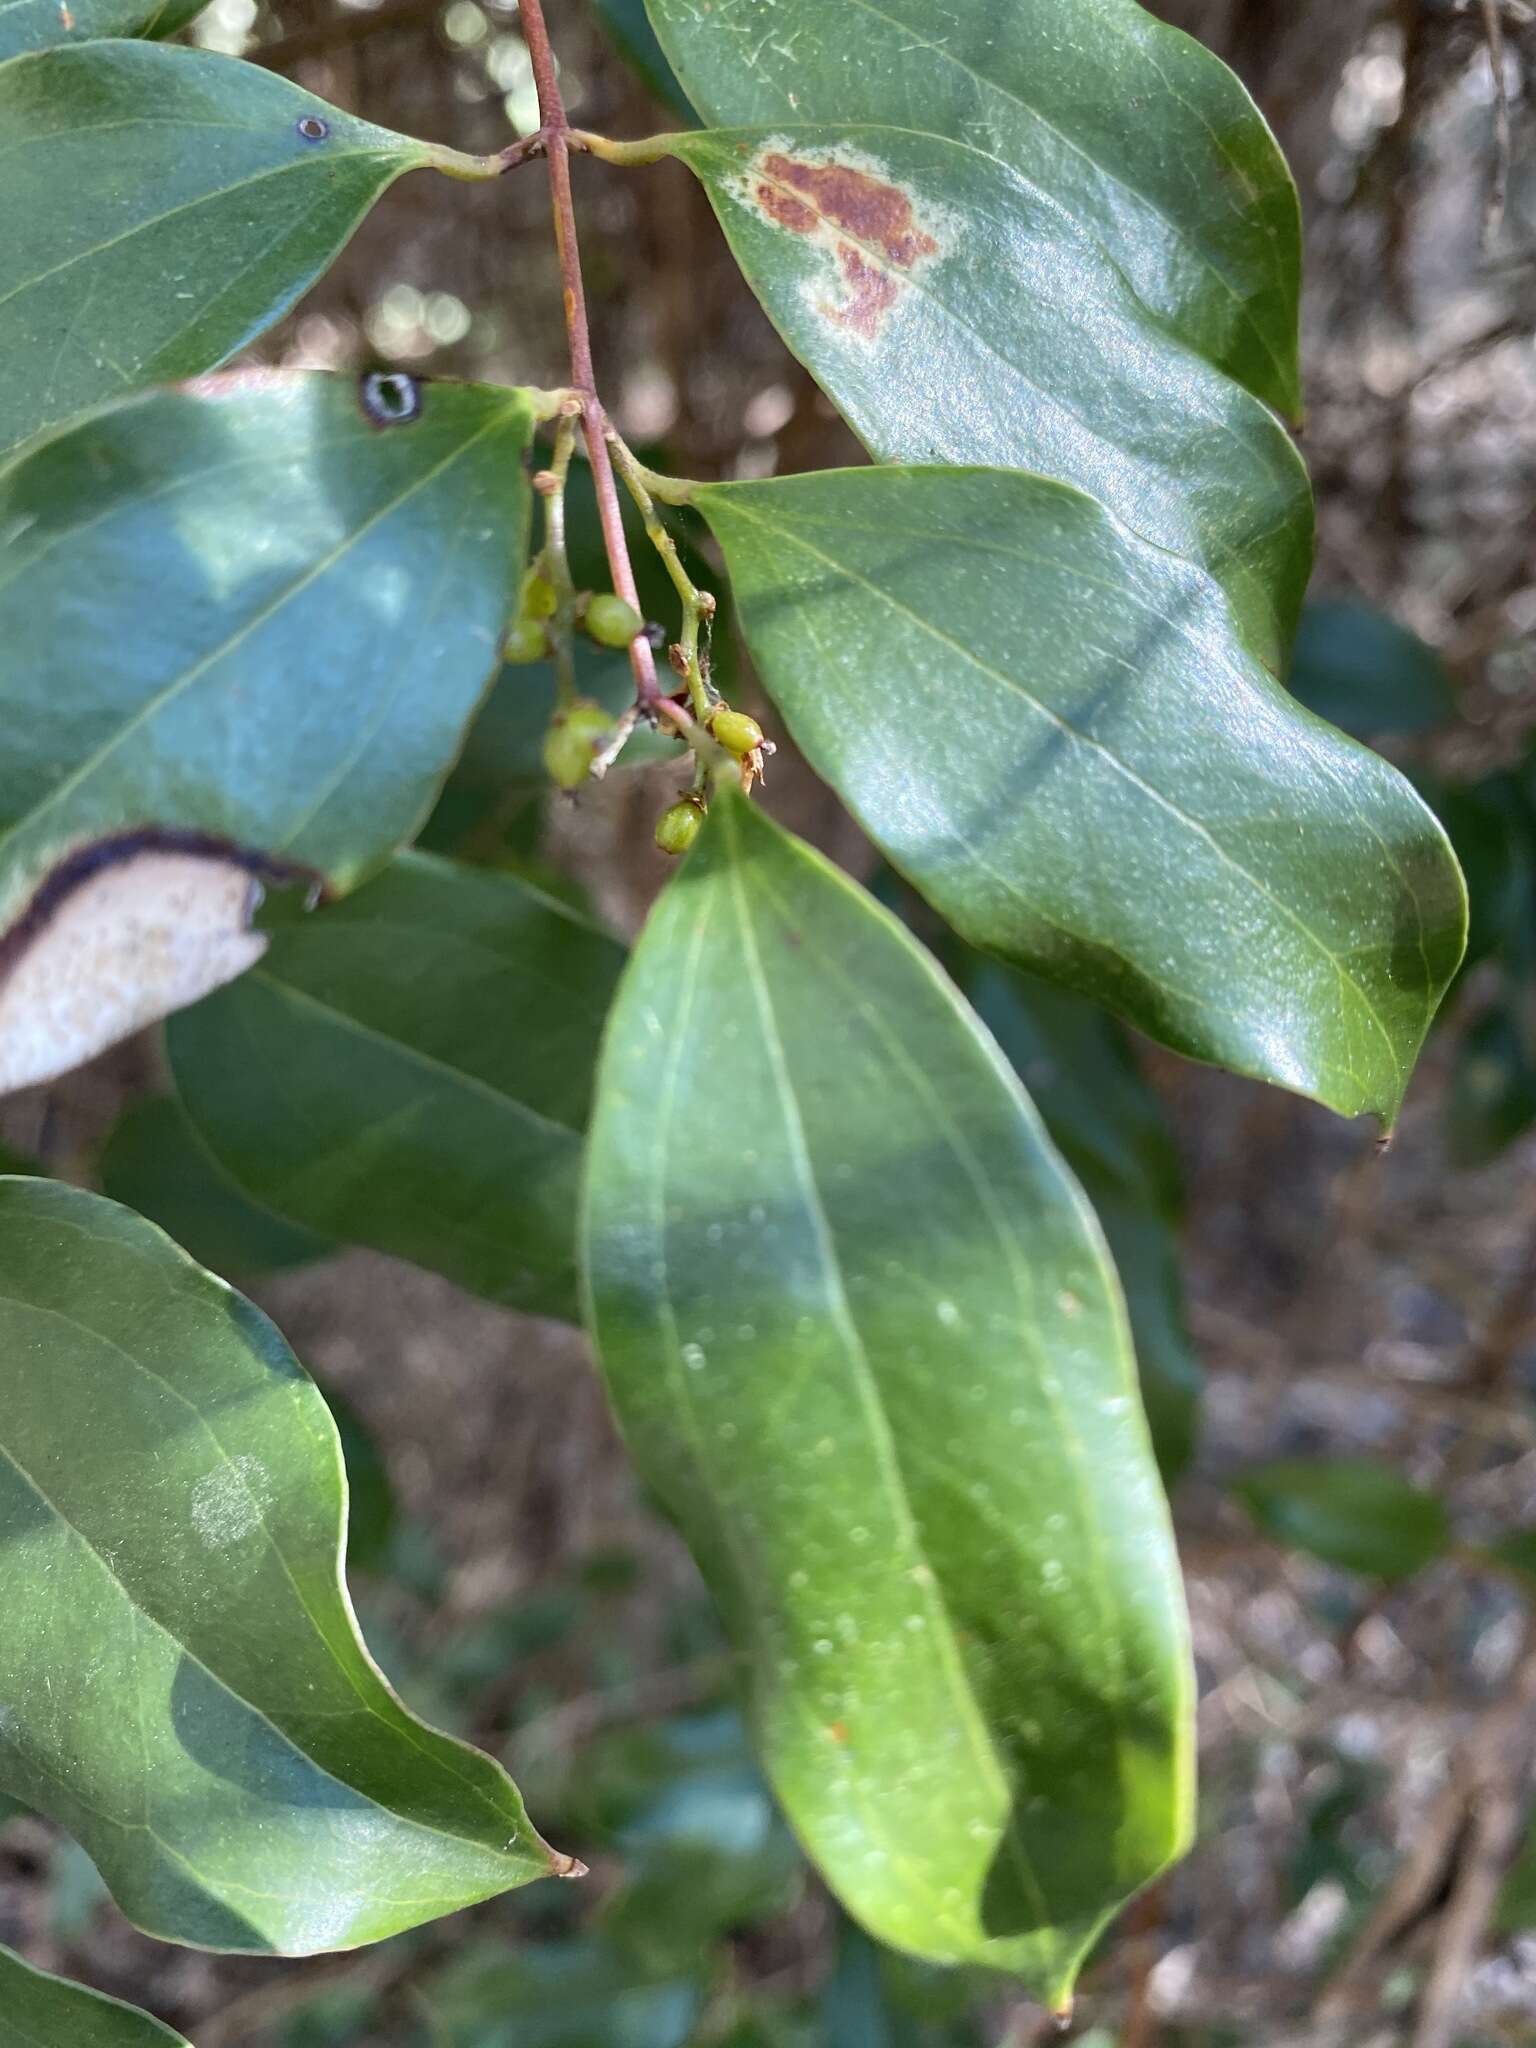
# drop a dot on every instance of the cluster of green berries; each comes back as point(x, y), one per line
point(741, 736)
point(603, 615)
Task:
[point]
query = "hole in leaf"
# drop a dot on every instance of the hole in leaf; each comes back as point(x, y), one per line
point(312, 128)
point(390, 398)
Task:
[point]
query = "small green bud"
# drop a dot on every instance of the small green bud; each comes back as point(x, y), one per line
point(572, 741)
point(610, 620)
point(540, 600)
point(736, 732)
point(525, 642)
point(677, 829)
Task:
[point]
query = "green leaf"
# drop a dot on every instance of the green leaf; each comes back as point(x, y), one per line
point(1362, 671)
point(162, 207)
point(412, 1070)
point(184, 1686)
point(1036, 354)
point(1046, 725)
point(1143, 137)
point(1109, 1127)
point(1351, 1512)
point(41, 2011)
point(42, 24)
point(866, 1346)
point(245, 631)
point(155, 1162)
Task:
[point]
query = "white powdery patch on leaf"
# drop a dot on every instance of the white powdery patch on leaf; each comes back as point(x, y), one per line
point(130, 942)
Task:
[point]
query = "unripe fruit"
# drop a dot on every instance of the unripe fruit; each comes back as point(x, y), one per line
point(573, 740)
point(677, 829)
point(736, 732)
point(610, 620)
point(540, 600)
point(525, 641)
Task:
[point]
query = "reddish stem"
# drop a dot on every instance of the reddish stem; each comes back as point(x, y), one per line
point(555, 128)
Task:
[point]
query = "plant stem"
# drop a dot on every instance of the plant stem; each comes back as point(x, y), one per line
point(550, 484)
point(650, 149)
point(556, 129)
point(698, 605)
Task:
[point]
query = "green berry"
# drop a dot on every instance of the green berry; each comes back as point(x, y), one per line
point(572, 741)
point(525, 641)
point(677, 829)
point(736, 732)
point(610, 620)
point(540, 600)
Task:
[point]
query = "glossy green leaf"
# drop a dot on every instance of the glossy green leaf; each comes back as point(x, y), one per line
point(1146, 140)
point(877, 249)
point(245, 631)
point(1350, 1512)
point(1108, 1126)
point(41, 2011)
point(154, 1162)
point(412, 1070)
point(162, 207)
point(867, 1348)
point(43, 24)
point(1047, 726)
point(1361, 670)
point(184, 1686)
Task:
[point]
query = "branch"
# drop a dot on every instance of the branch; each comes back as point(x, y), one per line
point(555, 129)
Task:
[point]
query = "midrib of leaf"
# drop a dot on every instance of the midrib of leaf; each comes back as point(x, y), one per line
point(921, 1086)
point(1110, 176)
point(681, 1393)
point(866, 1386)
point(1072, 732)
point(214, 198)
point(414, 1056)
point(148, 1372)
point(178, 684)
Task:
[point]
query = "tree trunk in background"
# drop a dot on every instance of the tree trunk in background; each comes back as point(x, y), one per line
point(1290, 53)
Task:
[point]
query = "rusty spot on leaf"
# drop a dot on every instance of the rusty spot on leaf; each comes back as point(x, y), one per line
point(877, 214)
point(867, 225)
point(871, 294)
point(786, 209)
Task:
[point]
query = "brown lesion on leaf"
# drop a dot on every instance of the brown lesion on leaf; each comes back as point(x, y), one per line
point(867, 224)
point(121, 930)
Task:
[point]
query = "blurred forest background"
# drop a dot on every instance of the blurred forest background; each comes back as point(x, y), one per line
point(1364, 1445)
